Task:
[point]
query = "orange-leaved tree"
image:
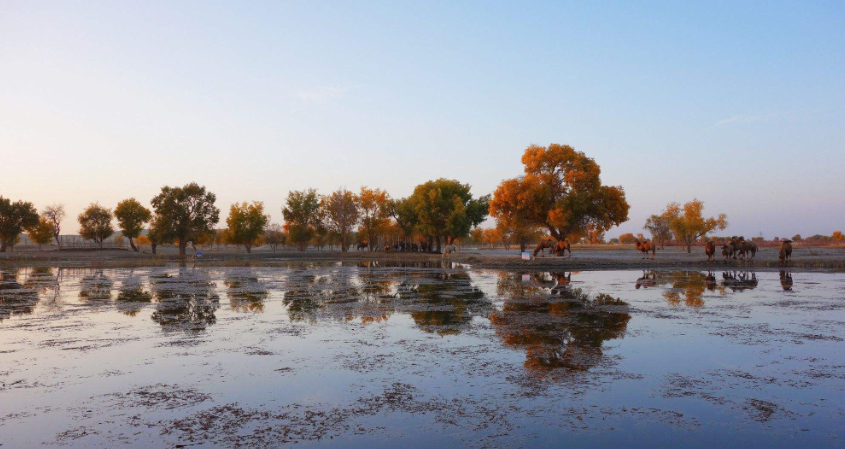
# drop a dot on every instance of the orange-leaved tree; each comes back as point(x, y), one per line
point(688, 224)
point(562, 192)
point(374, 209)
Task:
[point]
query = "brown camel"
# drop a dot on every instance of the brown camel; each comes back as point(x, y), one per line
point(744, 248)
point(785, 253)
point(710, 250)
point(644, 247)
point(543, 245)
point(562, 247)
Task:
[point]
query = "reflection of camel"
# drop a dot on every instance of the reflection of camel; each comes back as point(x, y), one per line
point(648, 279)
point(562, 333)
point(739, 281)
point(562, 281)
point(786, 280)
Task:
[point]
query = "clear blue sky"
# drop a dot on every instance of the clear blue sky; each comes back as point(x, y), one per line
point(741, 104)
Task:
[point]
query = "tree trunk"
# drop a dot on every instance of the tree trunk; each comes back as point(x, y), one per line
point(132, 244)
point(183, 247)
point(248, 249)
point(522, 246)
point(3, 247)
point(438, 244)
point(58, 243)
point(153, 247)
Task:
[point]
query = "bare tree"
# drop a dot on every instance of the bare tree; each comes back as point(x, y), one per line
point(55, 213)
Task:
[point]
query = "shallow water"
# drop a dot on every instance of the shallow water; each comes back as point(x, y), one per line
point(378, 355)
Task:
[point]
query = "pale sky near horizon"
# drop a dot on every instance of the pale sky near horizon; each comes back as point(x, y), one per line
point(740, 104)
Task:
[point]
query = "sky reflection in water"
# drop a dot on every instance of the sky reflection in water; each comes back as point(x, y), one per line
point(365, 354)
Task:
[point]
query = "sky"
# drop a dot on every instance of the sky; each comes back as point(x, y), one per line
point(738, 104)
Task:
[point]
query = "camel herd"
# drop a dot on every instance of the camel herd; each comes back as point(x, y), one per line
point(736, 248)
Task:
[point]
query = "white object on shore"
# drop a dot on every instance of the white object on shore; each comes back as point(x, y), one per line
point(526, 255)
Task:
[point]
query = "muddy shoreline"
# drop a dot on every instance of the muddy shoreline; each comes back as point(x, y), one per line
point(826, 259)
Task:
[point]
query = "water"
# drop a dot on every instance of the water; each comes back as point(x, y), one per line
point(346, 355)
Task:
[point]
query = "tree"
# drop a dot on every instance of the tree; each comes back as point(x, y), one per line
point(511, 206)
point(131, 218)
point(627, 238)
point(373, 205)
point(658, 226)
point(273, 236)
point(688, 224)
point(41, 233)
point(562, 192)
point(95, 223)
point(55, 213)
point(797, 238)
point(142, 240)
point(477, 236)
point(446, 208)
point(14, 219)
point(302, 214)
point(184, 213)
point(341, 215)
point(837, 237)
point(246, 223)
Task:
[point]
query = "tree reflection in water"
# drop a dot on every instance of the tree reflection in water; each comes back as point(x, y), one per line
point(186, 301)
point(561, 329)
point(439, 297)
point(246, 293)
point(132, 296)
point(96, 287)
point(688, 287)
point(15, 299)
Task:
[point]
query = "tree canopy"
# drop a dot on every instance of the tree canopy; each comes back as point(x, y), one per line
point(183, 214)
point(341, 214)
point(302, 216)
point(561, 191)
point(246, 223)
point(445, 208)
point(95, 223)
point(374, 209)
point(131, 218)
point(688, 223)
point(14, 219)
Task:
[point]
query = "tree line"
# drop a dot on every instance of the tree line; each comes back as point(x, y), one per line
point(559, 195)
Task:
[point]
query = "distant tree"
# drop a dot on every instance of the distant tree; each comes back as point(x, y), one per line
point(614, 241)
point(837, 237)
point(14, 219)
point(246, 223)
point(341, 213)
point(374, 209)
point(818, 238)
point(627, 238)
point(477, 236)
point(142, 240)
point(302, 214)
point(131, 218)
point(183, 214)
point(797, 238)
point(42, 233)
point(118, 240)
point(273, 235)
point(563, 191)
point(658, 227)
point(95, 223)
point(56, 214)
point(688, 224)
point(445, 208)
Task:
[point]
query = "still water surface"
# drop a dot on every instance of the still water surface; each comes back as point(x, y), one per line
point(380, 355)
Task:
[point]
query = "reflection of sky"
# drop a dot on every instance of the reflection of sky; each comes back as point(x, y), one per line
point(706, 99)
point(87, 349)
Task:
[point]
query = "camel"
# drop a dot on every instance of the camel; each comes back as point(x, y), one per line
point(562, 247)
point(448, 250)
point(545, 243)
point(743, 248)
point(785, 253)
point(649, 279)
point(710, 250)
point(562, 280)
point(644, 247)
